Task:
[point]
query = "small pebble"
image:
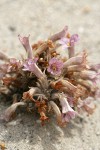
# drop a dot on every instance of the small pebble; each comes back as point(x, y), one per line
point(86, 9)
point(12, 29)
point(98, 133)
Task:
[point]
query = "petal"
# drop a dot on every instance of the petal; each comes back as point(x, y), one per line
point(52, 61)
point(63, 41)
point(74, 38)
point(31, 66)
point(70, 100)
point(68, 116)
point(49, 69)
point(65, 105)
point(65, 46)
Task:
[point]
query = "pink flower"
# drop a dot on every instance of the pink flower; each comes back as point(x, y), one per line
point(67, 112)
point(69, 42)
point(25, 42)
point(55, 66)
point(73, 39)
point(64, 42)
point(68, 116)
point(30, 65)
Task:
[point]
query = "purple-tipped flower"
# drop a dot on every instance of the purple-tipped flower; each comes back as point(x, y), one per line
point(69, 42)
point(25, 42)
point(30, 65)
point(67, 112)
point(55, 66)
point(73, 39)
point(64, 42)
point(68, 116)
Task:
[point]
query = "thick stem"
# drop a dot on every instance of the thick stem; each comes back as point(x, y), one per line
point(57, 111)
point(59, 35)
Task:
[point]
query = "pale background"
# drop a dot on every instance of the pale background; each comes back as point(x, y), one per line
point(41, 18)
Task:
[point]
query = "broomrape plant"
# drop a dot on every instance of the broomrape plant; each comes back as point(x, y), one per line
point(47, 83)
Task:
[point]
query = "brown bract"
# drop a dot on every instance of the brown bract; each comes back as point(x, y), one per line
point(2, 146)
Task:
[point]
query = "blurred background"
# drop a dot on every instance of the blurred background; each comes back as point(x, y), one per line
point(40, 19)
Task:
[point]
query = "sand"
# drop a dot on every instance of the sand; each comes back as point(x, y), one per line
point(41, 18)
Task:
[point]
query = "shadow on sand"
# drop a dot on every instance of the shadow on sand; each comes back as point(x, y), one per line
point(27, 129)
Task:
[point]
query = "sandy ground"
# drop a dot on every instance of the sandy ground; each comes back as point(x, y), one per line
point(41, 18)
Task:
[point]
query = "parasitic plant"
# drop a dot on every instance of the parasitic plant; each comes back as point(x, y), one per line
point(47, 82)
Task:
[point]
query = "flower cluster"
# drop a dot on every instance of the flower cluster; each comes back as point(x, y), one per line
point(48, 83)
